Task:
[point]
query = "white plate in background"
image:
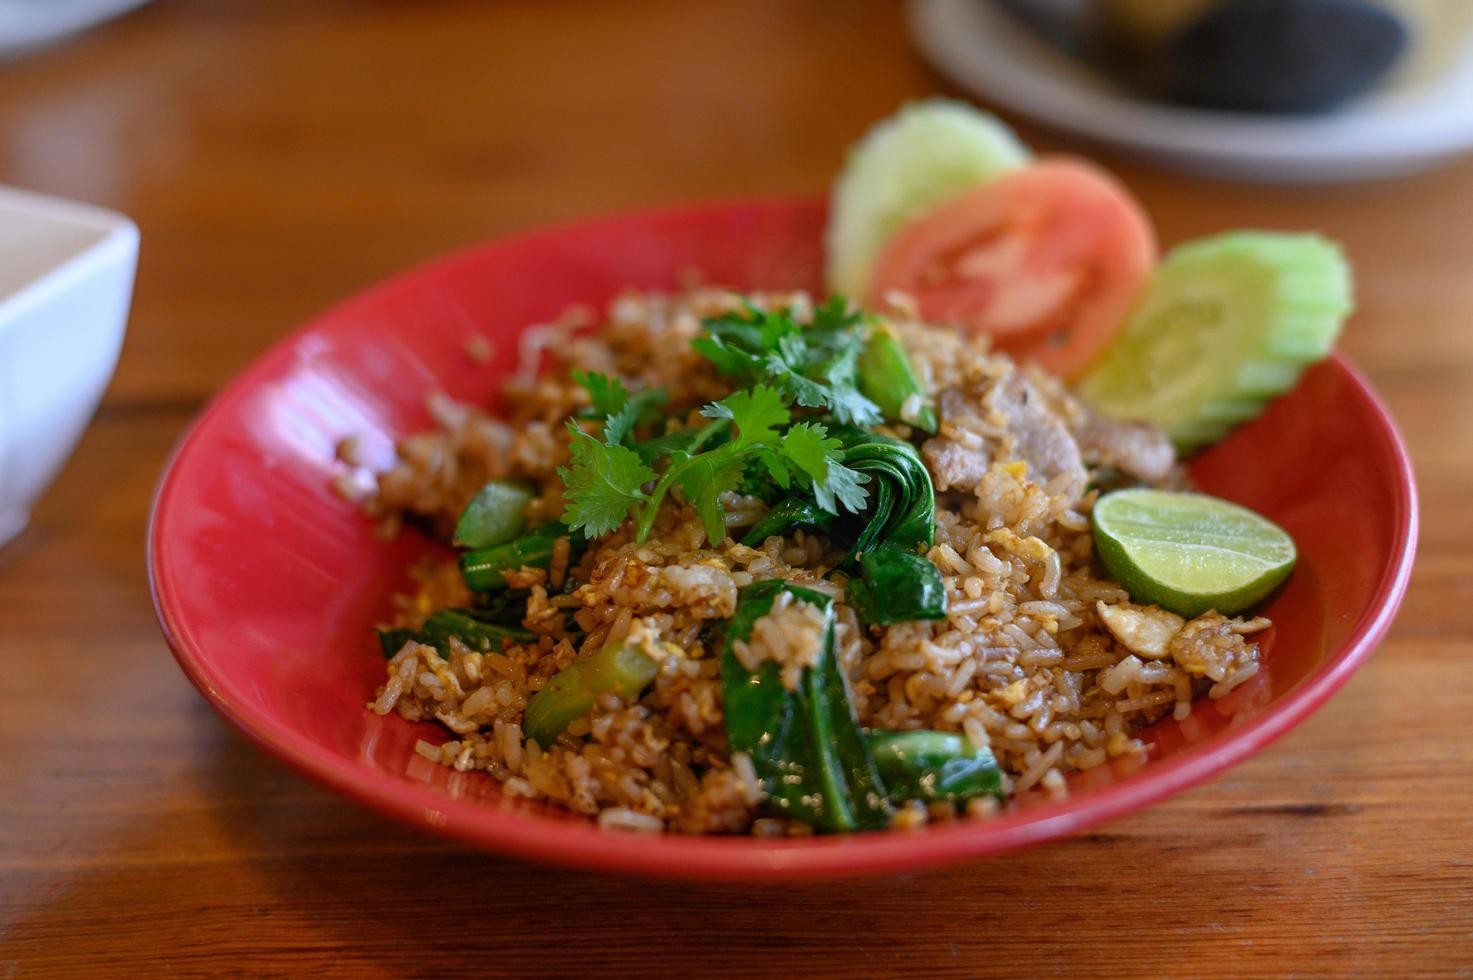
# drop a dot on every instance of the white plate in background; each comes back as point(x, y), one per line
point(29, 24)
point(1420, 117)
point(66, 279)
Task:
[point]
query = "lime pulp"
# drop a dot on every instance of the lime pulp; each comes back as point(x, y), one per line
point(1188, 552)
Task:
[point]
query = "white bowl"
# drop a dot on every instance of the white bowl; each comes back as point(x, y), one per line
point(66, 278)
point(29, 24)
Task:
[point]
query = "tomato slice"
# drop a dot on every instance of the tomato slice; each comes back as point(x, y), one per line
point(1047, 260)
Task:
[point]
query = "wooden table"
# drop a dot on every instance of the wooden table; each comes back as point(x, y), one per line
point(279, 155)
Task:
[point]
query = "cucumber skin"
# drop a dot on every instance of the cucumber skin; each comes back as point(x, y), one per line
point(1307, 295)
point(914, 160)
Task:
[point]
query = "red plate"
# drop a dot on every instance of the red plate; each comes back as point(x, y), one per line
point(267, 583)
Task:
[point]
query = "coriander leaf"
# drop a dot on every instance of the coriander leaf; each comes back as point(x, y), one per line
point(841, 371)
point(820, 457)
point(612, 402)
point(747, 433)
point(607, 395)
point(774, 329)
point(845, 484)
point(814, 366)
point(790, 349)
point(804, 391)
point(618, 425)
point(756, 413)
point(660, 447)
point(835, 312)
point(765, 475)
point(728, 360)
point(777, 469)
point(806, 445)
point(853, 408)
point(603, 483)
point(703, 479)
point(749, 327)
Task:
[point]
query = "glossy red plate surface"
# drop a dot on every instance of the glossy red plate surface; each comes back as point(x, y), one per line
point(267, 583)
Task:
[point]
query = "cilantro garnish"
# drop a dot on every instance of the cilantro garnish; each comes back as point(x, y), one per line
point(756, 414)
point(606, 480)
point(607, 395)
point(814, 366)
point(613, 403)
point(814, 452)
point(602, 484)
point(751, 438)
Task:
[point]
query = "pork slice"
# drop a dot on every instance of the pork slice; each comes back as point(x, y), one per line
point(1041, 437)
point(954, 466)
point(1137, 449)
point(957, 465)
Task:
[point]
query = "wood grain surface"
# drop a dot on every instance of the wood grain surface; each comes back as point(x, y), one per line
point(279, 154)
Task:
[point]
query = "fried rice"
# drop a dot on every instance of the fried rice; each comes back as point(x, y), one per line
point(1039, 658)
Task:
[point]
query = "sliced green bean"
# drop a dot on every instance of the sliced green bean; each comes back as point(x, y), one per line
point(930, 765)
point(495, 516)
point(475, 633)
point(621, 670)
point(887, 378)
point(483, 568)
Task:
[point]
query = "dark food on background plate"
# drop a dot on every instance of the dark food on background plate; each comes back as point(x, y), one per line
point(760, 564)
point(1273, 56)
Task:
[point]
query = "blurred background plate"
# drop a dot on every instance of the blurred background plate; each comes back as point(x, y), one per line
point(1421, 117)
point(29, 24)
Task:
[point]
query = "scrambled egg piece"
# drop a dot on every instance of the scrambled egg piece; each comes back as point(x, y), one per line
point(1014, 693)
point(1029, 547)
point(1147, 631)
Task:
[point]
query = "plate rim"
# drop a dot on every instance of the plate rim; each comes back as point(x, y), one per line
point(740, 859)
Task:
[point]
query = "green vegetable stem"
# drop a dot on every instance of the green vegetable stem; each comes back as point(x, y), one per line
point(617, 669)
point(469, 626)
point(483, 568)
point(928, 765)
point(494, 516)
point(887, 378)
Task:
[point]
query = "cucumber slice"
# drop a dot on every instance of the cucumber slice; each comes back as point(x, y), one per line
point(1226, 324)
point(926, 152)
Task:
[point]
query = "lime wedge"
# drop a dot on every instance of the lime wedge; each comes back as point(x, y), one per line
point(1188, 552)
